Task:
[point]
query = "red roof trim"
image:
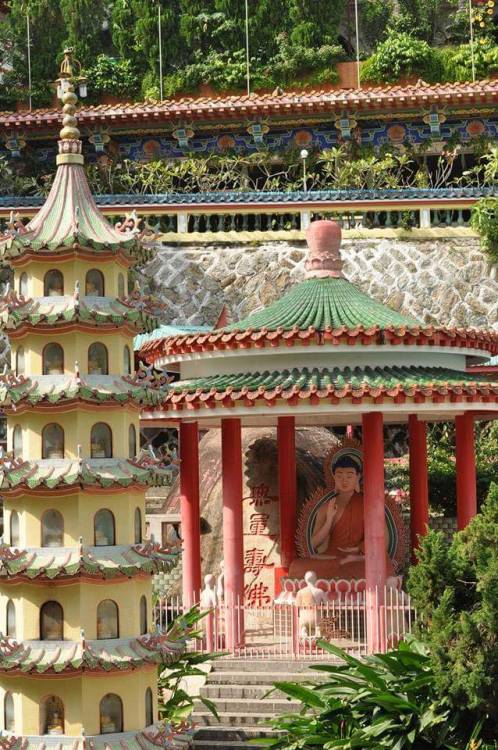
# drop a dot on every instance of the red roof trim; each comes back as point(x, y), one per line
point(239, 106)
point(467, 338)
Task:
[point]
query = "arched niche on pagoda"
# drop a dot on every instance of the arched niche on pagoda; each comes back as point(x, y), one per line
point(114, 275)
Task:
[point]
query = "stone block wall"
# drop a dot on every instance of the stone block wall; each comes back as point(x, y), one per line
point(441, 280)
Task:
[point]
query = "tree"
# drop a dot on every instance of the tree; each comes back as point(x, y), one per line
point(315, 22)
point(84, 21)
point(135, 35)
point(455, 590)
point(47, 35)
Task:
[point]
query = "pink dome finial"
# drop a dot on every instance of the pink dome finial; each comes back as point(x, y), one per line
point(324, 256)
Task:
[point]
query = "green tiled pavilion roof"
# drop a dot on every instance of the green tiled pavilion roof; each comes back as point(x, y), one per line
point(336, 382)
point(54, 389)
point(100, 562)
point(52, 311)
point(321, 304)
point(70, 217)
point(93, 472)
point(56, 657)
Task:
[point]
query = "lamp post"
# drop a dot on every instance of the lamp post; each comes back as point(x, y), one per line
point(160, 35)
point(68, 77)
point(248, 63)
point(304, 155)
point(28, 39)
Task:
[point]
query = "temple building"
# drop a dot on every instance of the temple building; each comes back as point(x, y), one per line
point(323, 355)
point(75, 569)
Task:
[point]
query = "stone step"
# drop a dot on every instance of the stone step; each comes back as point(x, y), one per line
point(232, 718)
point(270, 706)
point(273, 667)
point(253, 692)
point(229, 738)
point(262, 678)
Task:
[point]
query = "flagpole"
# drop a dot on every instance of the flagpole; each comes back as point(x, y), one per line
point(248, 66)
point(160, 50)
point(472, 42)
point(357, 25)
point(28, 34)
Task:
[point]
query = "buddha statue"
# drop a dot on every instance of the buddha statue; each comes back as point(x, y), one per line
point(332, 523)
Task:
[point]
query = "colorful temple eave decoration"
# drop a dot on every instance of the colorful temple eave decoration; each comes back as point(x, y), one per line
point(87, 563)
point(160, 735)
point(70, 657)
point(65, 473)
point(396, 384)
point(18, 314)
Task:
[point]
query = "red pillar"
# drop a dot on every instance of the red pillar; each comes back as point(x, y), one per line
point(287, 490)
point(419, 482)
point(190, 512)
point(375, 526)
point(465, 470)
point(233, 538)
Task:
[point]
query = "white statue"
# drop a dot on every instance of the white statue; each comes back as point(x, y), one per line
point(208, 594)
point(307, 599)
point(220, 583)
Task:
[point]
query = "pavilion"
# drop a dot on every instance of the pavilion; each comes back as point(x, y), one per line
point(322, 354)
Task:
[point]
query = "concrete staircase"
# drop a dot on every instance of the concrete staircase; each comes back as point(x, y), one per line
point(238, 687)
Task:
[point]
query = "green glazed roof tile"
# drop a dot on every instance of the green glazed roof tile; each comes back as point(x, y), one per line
point(103, 472)
point(321, 304)
point(123, 654)
point(54, 389)
point(100, 562)
point(51, 311)
point(322, 379)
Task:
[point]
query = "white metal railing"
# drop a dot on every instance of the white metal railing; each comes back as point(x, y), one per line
point(358, 624)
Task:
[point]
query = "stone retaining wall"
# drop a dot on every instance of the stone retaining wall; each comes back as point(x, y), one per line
point(440, 280)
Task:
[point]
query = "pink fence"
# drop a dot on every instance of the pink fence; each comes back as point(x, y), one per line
point(357, 625)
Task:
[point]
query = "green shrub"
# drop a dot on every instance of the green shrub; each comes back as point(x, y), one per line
point(110, 75)
point(380, 702)
point(456, 62)
point(485, 221)
point(455, 590)
point(399, 55)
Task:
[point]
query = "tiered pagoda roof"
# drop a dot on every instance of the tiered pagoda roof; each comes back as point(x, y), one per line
point(60, 564)
point(70, 218)
point(17, 475)
point(17, 314)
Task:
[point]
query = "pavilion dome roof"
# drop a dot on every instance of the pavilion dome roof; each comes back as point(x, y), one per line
point(323, 303)
point(70, 217)
point(325, 300)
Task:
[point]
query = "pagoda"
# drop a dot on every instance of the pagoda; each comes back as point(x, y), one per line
point(75, 570)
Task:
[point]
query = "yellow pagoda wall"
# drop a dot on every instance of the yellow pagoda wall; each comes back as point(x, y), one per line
point(75, 347)
point(78, 510)
point(72, 270)
point(79, 602)
point(77, 425)
point(81, 697)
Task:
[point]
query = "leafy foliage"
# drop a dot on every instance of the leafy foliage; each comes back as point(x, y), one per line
point(454, 588)
point(401, 54)
point(485, 221)
point(175, 704)
point(111, 75)
point(381, 702)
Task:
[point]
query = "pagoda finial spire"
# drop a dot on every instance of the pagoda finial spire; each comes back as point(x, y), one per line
point(69, 143)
